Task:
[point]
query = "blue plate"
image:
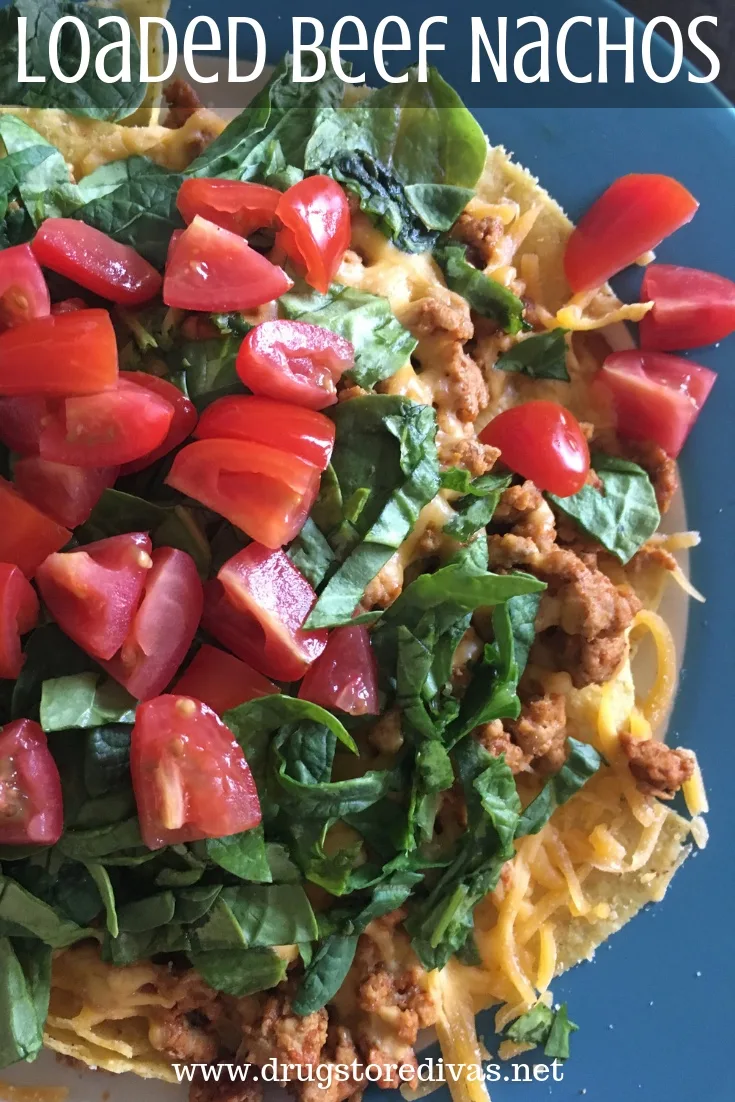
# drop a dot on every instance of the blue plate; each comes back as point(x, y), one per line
point(655, 1007)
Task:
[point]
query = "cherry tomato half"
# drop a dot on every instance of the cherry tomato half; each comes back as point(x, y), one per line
point(27, 536)
point(23, 291)
point(222, 681)
point(59, 355)
point(95, 261)
point(18, 615)
point(345, 676)
point(66, 494)
point(265, 492)
point(163, 628)
point(182, 424)
point(107, 429)
point(542, 441)
point(214, 270)
point(30, 787)
point(190, 777)
point(294, 362)
point(232, 204)
point(634, 215)
point(256, 609)
point(691, 308)
point(316, 234)
point(657, 397)
point(93, 592)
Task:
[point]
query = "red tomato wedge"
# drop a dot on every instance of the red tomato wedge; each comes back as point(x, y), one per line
point(542, 441)
point(27, 536)
point(222, 681)
point(634, 215)
point(68, 306)
point(691, 308)
point(59, 355)
point(317, 230)
point(657, 397)
point(107, 429)
point(23, 291)
point(66, 494)
point(265, 492)
point(294, 362)
point(30, 787)
point(256, 609)
point(345, 676)
point(21, 421)
point(93, 593)
point(232, 204)
point(163, 628)
point(18, 615)
point(214, 270)
point(301, 432)
point(190, 777)
point(182, 424)
point(95, 261)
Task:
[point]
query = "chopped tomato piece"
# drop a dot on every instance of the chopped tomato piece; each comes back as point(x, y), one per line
point(66, 494)
point(93, 593)
point(317, 230)
point(294, 362)
point(542, 441)
point(657, 397)
point(256, 609)
point(214, 270)
point(68, 306)
point(31, 806)
point(18, 615)
point(190, 777)
point(345, 676)
point(293, 429)
point(107, 429)
point(265, 492)
point(59, 355)
point(23, 291)
point(691, 308)
point(175, 238)
point(182, 424)
point(634, 215)
point(21, 421)
point(96, 261)
point(232, 204)
point(163, 628)
point(27, 536)
point(221, 680)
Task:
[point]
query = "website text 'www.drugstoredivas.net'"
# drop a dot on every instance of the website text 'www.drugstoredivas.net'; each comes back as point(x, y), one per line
point(325, 1075)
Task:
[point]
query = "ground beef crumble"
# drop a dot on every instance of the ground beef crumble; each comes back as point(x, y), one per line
point(658, 769)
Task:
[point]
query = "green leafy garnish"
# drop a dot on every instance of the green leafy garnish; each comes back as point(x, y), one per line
point(543, 1026)
point(541, 356)
point(484, 295)
point(623, 514)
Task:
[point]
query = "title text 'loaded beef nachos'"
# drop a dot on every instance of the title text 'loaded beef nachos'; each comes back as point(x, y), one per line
point(331, 496)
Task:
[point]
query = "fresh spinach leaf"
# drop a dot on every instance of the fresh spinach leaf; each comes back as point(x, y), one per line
point(25, 983)
point(271, 134)
point(89, 845)
point(541, 356)
point(256, 719)
point(208, 368)
point(583, 762)
point(107, 759)
point(623, 514)
point(326, 973)
point(36, 172)
point(49, 654)
point(147, 914)
point(101, 877)
point(311, 553)
point(136, 206)
point(244, 855)
point(271, 914)
point(23, 914)
point(484, 295)
point(381, 343)
point(88, 96)
point(239, 972)
point(406, 148)
point(476, 509)
point(541, 1025)
point(118, 512)
point(84, 700)
point(385, 452)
